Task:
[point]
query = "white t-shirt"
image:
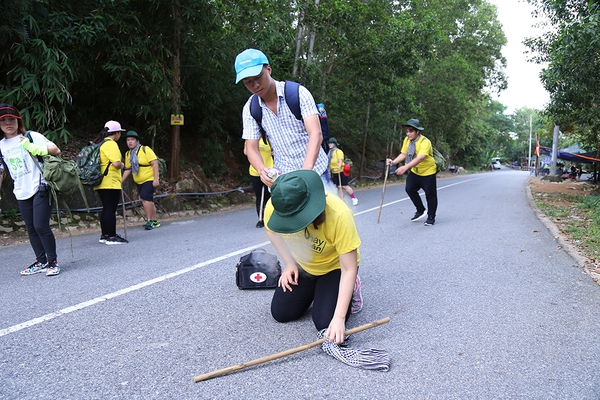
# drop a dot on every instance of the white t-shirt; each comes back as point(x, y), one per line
point(26, 176)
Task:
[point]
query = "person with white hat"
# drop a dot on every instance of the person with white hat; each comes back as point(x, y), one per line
point(109, 189)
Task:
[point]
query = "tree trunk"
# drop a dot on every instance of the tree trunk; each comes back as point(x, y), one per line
point(176, 87)
point(298, 42)
point(362, 160)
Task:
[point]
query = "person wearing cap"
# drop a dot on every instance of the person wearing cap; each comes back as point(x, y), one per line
point(30, 189)
point(417, 154)
point(261, 191)
point(316, 237)
point(296, 143)
point(109, 189)
point(337, 171)
point(144, 166)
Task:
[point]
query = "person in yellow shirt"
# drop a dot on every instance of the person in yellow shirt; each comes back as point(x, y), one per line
point(315, 234)
point(261, 191)
point(336, 169)
point(417, 153)
point(141, 161)
point(109, 189)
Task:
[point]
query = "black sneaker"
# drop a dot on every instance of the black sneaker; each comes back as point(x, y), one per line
point(260, 224)
point(103, 239)
point(418, 215)
point(429, 222)
point(116, 240)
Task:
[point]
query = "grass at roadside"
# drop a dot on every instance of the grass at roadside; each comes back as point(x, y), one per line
point(578, 217)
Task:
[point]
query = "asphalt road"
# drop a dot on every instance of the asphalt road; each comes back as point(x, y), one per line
point(483, 305)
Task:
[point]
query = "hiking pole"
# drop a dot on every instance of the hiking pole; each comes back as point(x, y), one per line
point(124, 216)
point(284, 353)
point(387, 170)
point(262, 202)
point(340, 188)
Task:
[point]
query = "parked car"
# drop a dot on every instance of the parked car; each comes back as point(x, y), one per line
point(495, 163)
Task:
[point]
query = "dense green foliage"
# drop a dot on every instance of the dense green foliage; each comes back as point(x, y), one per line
point(71, 66)
point(572, 50)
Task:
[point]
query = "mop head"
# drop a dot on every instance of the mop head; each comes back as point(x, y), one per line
point(374, 359)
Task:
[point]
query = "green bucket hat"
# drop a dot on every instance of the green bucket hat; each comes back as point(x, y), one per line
point(333, 140)
point(414, 123)
point(132, 134)
point(298, 198)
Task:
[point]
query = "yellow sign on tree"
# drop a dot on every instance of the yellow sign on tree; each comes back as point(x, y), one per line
point(176, 119)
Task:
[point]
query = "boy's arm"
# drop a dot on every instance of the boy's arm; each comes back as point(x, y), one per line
point(313, 127)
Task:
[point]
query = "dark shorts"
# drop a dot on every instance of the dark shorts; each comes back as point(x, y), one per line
point(146, 191)
point(336, 180)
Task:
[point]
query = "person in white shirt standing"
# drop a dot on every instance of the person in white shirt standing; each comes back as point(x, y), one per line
point(18, 149)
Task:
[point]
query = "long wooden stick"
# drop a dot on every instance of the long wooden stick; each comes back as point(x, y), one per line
point(262, 202)
point(124, 216)
point(387, 170)
point(284, 353)
point(340, 188)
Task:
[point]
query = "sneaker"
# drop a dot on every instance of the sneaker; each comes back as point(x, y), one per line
point(34, 268)
point(354, 201)
point(260, 224)
point(357, 301)
point(53, 269)
point(116, 240)
point(155, 224)
point(148, 225)
point(103, 239)
point(429, 222)
point(418, 215)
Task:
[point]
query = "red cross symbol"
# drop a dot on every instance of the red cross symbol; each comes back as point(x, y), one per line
point(258, 277)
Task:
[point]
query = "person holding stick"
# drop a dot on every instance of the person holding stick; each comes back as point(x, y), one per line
point(30, 188)
point(141, 162)
point(316, 237)
point(417, 153)
point(261, 191)
point(109, 190)
point(337, 172)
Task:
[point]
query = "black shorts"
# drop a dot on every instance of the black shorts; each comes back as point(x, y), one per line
point(336, 180)
point(146, 191)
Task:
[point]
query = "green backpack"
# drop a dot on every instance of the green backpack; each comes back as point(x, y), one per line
point(440, 161)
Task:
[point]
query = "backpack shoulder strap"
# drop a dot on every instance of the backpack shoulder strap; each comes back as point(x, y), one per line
point(292, 98)
point(256, 112)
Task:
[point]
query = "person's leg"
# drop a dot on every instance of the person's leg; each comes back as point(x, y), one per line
point(108, 216)
point(346, 187)
point(412, 190)
point(42, 209)
point(289, 306)
point(146, 192)
point(325, 299)
point(26, 209)
point(257, 185)
point(429, 184)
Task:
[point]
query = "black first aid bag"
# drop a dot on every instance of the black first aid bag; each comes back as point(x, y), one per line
point(258, 270)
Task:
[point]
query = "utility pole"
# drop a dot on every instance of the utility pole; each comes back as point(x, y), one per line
point(529, 159)
point(554, 150)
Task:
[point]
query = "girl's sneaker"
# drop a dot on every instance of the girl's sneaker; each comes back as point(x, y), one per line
point(52, 269)
point(103, 239)
point(116, 240)
point(155, 224)
point(34, 268)
point(148, 225)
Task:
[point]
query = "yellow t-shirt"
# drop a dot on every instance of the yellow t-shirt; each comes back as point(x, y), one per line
point(317, 250)
point(333, 165)
point(145, 173)
point(109, 153)
point(265, 153)
point(423, 146)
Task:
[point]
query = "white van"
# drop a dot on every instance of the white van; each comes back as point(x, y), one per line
point(495, 163)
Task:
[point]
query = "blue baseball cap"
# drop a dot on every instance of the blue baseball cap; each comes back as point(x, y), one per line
point(249, 63)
